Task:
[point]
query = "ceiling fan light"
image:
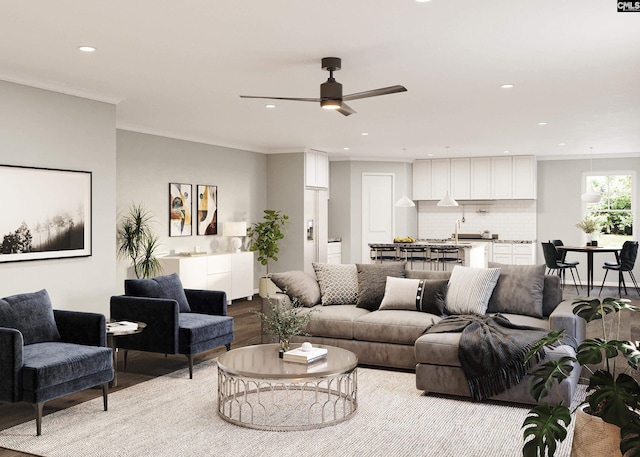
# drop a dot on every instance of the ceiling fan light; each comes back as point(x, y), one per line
point(331, 104)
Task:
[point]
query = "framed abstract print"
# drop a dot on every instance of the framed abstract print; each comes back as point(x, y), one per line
point(179, 209)
point(207, 210)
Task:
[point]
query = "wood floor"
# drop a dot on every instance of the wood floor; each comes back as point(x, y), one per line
point(143, 366)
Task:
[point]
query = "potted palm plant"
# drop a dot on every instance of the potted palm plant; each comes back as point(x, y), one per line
point(610, 400)
point(137, 242)
point(264, 238)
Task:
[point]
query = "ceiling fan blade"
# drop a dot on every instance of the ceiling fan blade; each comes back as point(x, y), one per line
point(345, 109)
point(375, 92)
point(317, 100)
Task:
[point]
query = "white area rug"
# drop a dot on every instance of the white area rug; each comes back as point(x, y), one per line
point(175, 416)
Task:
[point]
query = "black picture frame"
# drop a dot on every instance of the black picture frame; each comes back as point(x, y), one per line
point(47, 213)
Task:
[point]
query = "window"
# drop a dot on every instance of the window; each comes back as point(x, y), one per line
point(615, 210)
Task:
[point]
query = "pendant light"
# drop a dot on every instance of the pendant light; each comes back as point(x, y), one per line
point(447, 200)
point(591, 196)
point(405, 202)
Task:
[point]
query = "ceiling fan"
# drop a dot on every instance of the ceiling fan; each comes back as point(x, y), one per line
point(331, 91)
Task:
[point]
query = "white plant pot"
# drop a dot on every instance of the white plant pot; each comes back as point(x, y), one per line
point(266, 287)
point(593, 437)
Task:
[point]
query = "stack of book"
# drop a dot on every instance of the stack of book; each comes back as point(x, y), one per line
point(304, 356)
point(121, 326)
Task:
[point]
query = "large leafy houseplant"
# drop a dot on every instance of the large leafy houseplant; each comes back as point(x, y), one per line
point(137, 242)
point(265, 236)
point(616, 400)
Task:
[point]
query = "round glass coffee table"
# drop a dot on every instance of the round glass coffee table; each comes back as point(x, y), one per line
point(257, 389)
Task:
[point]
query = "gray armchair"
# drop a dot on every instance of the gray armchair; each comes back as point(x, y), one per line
point(179, 321)
point(47, 353)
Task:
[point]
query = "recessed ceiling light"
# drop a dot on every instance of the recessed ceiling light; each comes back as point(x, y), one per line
point(423, 1)
point(86, 48)
point(542, 123)
point(346, 149)
point(562, 144)
point(270, 106)
point(429, 155)
point(364, 134)
point(506, 152)
point(507, 86)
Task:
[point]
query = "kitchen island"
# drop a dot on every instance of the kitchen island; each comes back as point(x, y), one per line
point(431, 255)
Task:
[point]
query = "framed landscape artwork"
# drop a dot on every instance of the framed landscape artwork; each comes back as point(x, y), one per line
point(207, 210)
point(179, 209)
point(46, 213)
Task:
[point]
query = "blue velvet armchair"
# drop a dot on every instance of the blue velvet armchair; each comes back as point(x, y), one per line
point(179, 321)
point(47, 353)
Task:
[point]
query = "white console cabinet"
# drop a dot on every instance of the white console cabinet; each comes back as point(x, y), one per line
point(231, 272)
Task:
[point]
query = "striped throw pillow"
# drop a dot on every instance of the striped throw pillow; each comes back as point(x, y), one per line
point(470, 290)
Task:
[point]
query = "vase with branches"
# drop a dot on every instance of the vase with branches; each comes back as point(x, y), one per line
point(285, 321)
point(137, 241)
point(614, 399)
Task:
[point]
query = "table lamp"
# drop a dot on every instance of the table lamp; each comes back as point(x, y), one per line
point(235, 230)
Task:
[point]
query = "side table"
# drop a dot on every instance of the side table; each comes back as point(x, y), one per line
point(111, 342)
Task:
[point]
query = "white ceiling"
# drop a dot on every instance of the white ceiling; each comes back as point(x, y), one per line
point(177, 68)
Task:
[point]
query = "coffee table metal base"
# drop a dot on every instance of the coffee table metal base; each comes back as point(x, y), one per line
point(287, 404)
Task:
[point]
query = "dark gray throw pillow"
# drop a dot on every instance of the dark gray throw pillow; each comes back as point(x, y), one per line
point(434, 294)
point(519, 290)
point(372, 280)
point(32, 315)
point(168, 287)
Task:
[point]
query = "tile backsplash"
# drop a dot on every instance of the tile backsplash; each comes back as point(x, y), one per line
point(510, 219)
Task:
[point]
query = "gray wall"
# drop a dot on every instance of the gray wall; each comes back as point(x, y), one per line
point(147, 164)
point(345, 203)
point(51, 130)
point(560, 207)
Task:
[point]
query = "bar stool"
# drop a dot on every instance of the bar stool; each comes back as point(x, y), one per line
point(383, 252)
point(417, 253)
point(444, 256)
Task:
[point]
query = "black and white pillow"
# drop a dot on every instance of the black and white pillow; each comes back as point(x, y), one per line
point(426, 295)
point(338, 283)
point(470, 289)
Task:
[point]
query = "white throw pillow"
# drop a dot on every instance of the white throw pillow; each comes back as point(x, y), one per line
point(338, 283)
point(470, 289)
point(401, 293)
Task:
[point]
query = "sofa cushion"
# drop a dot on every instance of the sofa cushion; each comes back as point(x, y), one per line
point(333, 321)
point(393, 326)
point(338, 283)
point(426, 295)
point(168, 287)
point(52, 363)
point(298, 284)
point(470, 289)
point(195, 328)
point(372, 280)
point(32, 315)
point(519, 290)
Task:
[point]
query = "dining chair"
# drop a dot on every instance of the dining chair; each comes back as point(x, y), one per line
point(627, 260)
point(563, 257)
point(552, 260)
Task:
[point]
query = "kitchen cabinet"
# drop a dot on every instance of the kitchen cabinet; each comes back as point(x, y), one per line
point(422, 180)
point(476, 178)
point(334, 252)
point(514, 253)
point(480, 178)
point(460, 172)
point(439, 178)
point(231, 272)
point(316, 169)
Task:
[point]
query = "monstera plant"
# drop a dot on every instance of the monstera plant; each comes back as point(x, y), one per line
point(611, 399)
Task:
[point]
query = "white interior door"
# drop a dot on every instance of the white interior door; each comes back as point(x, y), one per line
point(377, 211)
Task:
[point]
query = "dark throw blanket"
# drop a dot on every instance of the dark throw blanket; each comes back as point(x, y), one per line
point(492, 351)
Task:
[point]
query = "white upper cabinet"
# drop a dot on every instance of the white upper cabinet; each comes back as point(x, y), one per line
point(476, 178)
point(422, 180)
point(316, 169)
point(460, 178)
point(501, 178)
point(439, 178)
point(524, 177)
point(480, 182)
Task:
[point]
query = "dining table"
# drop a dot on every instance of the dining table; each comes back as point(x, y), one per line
point(590, 250)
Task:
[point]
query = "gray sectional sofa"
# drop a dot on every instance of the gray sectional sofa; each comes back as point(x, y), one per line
point(395, 338)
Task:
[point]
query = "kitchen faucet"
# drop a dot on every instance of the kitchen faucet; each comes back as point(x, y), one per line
point(457, 229)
